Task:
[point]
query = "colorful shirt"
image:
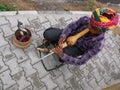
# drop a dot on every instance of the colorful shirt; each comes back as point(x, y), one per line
point(89, 45)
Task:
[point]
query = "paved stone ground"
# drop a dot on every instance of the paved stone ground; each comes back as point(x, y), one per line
point(20, 69)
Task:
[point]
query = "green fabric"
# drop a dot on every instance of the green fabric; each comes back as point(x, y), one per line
point(96, 16)
point(102, 29)
point(103, 10)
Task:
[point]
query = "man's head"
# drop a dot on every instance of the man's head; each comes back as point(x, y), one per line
point(103, 19)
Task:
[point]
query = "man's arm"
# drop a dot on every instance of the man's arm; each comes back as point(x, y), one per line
point(74, 25)
point(85, 57)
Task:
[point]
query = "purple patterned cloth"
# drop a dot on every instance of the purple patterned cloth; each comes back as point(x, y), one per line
point(89, 45)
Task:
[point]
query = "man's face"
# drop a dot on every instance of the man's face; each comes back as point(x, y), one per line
point(94, 30)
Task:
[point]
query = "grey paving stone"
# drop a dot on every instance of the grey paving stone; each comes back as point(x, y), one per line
point(33, 54)
point(28, 48)
point(117, 61)
point(33, 27)
point(117, 40)
point(36, 24)
point(100, 54)
point(115, 76)
point(1, 85)
point(34, 35)
point(55, 73)
point(114, 71)
point(28, 12)
point(89, 77)
point(42, 19)
point(75, 18)
point(14, 66)
point(62, 84)
point(14, 87)
point(96, 75)
point(69, 21)
point(37, 42)
point(29, 88)
point(116, 54)
point(91, 66)
point(100, 67)
point(32, 18)
point(105, 65)
point(109, 56)
point(52, 20)
point(36, 83)
point(7, 80)
point(40, 33)
point(112, 81)
point(6, 52)
point(24, 20)
point(68, 18)
point(13, 21)
point(3, 67)
point(104, 51)
point(7, 30)
point(41, 70)
point(2, 40)
point(46, 25)
point(20, 54)
point(77, 72)
point(54, 12)
point(85, 71)
point(74, 83)
point(84, 85)
point(94, 85)
point(82, 66)
point(66, 72)
point(3, 20)
point(110, 43)
point(9, 39)
point(61, 23)
point(49, 82)
point(102, 83)
point(21, 80)
point(44, 88)
point(29, 26)
point(57, 88)
point(27, 67)
point(106, 77)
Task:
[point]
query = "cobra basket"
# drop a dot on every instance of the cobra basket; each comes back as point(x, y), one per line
point(21, 44)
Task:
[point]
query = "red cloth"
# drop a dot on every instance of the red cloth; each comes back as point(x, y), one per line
point(25, 37)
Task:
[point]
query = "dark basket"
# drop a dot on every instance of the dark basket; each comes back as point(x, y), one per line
point(51, 62)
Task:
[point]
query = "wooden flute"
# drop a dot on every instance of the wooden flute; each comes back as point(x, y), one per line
point(70, 41)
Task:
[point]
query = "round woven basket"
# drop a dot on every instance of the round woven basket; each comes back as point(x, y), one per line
point(21, 44)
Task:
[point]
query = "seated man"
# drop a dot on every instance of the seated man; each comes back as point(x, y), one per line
point(102, 20)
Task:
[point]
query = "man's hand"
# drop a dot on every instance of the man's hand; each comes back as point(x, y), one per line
point(61, 41)
point(71, 40)
point(58, 50)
